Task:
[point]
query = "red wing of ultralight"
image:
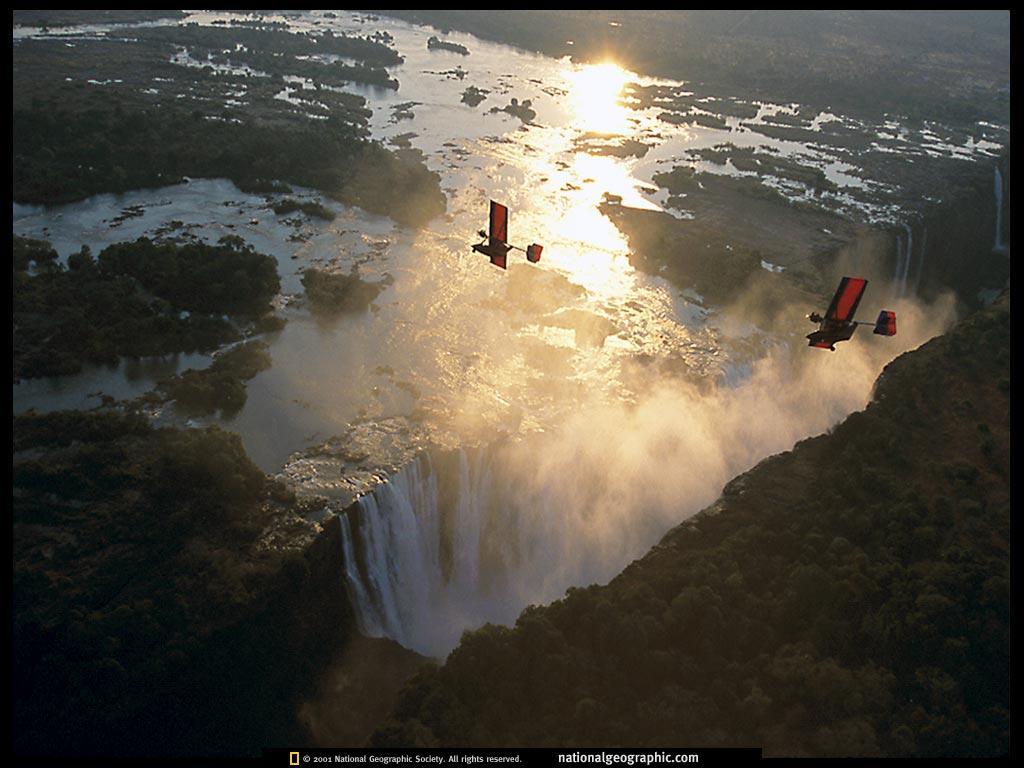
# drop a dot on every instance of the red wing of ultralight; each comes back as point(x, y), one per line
point(885, 325)
point(844, 303)
point(499, 259)
point(499, 223)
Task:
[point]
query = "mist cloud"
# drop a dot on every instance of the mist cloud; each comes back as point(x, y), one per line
point(576, 505)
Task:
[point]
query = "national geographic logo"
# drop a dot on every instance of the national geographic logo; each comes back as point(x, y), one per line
point(510, 758)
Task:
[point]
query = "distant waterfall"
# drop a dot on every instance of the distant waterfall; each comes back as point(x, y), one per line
point(999, 245)
point(907, 261)
point(904, 257)
point(899, 265)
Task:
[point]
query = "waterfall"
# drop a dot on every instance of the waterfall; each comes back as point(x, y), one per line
point(907, 260)
point(904, 256)
point(421, 571)
point(456, 540)
point(899, 265)
point(391, 551)
point(999, 246)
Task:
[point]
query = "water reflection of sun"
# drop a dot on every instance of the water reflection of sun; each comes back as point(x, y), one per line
point(556, 200)
point(594, 94)
point(578, 238)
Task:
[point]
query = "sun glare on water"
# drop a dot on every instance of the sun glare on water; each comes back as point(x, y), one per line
point(594, 93)
point(581, 240)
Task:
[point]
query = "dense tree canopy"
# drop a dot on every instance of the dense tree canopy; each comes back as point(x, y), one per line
point(147, 617)
point(137, 299)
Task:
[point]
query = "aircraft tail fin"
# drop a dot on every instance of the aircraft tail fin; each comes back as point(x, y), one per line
point(885, 325)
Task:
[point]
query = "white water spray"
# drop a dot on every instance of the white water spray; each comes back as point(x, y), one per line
point(456, 540)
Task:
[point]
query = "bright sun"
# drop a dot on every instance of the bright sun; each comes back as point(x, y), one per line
point(594, 90)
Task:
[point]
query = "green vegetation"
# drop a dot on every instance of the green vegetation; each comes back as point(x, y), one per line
point(138, 299)
point(473, 95)
point(262, 186)
point(64, 18)
point(66, 316)
point(63, 428)
point(688, 253)
point(330, 294)
point(221, 387)
point(148, 149)
point(604, 144)
point(684, 180)
point(147, 617)
point(310, 208)
point(681, 180)
point(227, 278)
point(28, 251)
point(719, 254)
point(523, 110)
point(111, 115)
point(705, 120)
point(434, 43)
point(276, 51)
point(260, 38)
point(731, 107)
point(357, 690)
point(749, 160)
point(850, 597)
point(831, 134)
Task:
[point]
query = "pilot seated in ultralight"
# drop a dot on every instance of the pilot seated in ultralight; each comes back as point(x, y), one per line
point(838, 323)
point(495, 250)
point(831, 332)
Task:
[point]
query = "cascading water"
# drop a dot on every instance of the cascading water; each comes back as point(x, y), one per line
point(429, 553)
point(389, 556)
point(907, 260)
point(904, 257)
point(899, 265)
point(999, 245)
point(453, 541)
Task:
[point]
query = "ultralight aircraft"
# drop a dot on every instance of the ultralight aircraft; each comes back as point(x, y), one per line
point(838, 323)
